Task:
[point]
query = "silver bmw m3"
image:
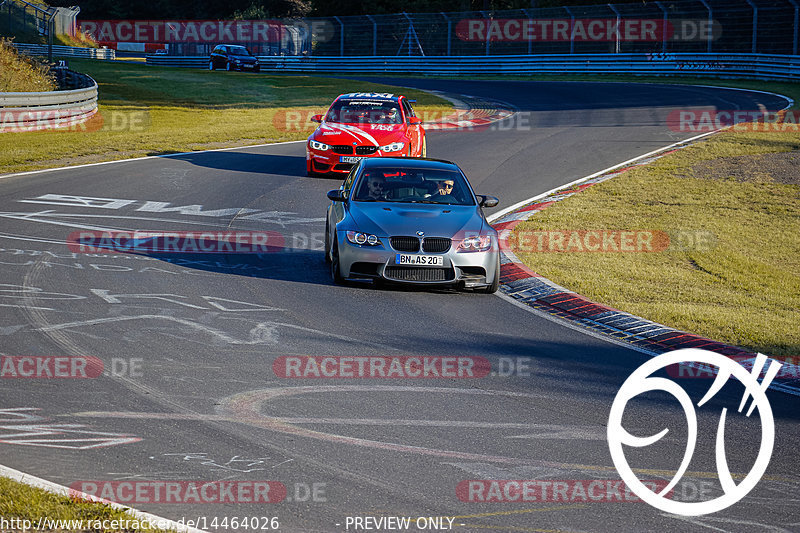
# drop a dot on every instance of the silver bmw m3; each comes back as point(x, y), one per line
point(414, 221)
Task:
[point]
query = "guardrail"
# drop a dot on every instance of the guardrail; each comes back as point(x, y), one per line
point(763, 66)
point(47, 110)
point(66, 51)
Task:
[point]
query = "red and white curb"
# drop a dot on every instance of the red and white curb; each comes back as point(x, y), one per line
point(470, 113)
point(531, 289)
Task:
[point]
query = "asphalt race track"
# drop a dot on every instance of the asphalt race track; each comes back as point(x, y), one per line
point(188, 344)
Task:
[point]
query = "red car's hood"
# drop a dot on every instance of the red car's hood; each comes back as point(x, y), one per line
point(363, 134)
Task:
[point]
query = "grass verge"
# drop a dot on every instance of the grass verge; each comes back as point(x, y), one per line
point(146, 110)
point(21, 73)
point(24, 502)
point(744, 188)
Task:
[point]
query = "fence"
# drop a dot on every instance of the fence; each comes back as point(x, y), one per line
point(762, 66)
point(693, 26)
point(66, 51)
point(678, 26)
point(24, 20)
point(54, 109)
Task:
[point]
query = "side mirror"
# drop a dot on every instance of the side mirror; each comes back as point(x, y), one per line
point(487, 201)
point(412, 121)
point(316, 118)
point(336, 195)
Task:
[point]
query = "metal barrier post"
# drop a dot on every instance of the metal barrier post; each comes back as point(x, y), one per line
point(664, 28)
point(794, 27)
point(50, 30)
point(374, 35)
point(755, 23)
point(530, 41)
point(710, 23)
point(341, 36)
point(449, 30)
point(616, 28)
point(571, 30)
point(486, 29)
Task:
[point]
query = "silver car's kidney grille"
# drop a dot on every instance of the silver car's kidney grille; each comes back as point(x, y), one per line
point(402, 273)
point(435, 245)
point(405, 244)
point(342, 149)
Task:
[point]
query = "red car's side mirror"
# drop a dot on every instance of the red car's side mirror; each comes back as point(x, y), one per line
point(316, 118)
point(414, 121)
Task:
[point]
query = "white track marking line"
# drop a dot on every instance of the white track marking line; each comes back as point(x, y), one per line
point(146, 157)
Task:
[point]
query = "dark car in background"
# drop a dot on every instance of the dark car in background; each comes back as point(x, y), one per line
point(233, 57)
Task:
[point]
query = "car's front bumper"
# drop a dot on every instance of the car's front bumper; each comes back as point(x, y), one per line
point(470, 270)
point(327, 161)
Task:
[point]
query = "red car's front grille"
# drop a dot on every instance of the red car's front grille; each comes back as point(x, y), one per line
point(343, 149)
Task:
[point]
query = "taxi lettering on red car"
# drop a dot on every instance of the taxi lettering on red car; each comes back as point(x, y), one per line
point(362, 125)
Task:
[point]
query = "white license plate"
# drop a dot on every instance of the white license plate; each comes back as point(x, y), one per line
point(350, 159)
point(419, 260)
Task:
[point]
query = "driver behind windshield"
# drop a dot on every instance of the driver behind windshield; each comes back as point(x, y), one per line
point(408, 185)
point(364, 112)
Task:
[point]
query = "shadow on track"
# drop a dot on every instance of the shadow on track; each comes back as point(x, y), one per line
point(237, 161)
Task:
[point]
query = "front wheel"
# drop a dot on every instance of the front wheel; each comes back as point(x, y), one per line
point(336, 273)
point(327, 244)
point(257, 69)
point(228, 66)
point(491, 289)
point(210, 65)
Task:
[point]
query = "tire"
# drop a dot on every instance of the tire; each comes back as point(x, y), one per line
point(424, 147)
point(327, 243)
point(491, 289)
point(257, 69)
point(228, 66)
point(210, 65)
point(336, 273)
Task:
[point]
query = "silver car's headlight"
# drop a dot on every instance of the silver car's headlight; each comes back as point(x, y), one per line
point(478, 243)
point(394, 147)
point(367, 239)
point(316, 145)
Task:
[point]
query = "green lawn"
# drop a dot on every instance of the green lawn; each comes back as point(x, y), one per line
point(20, 501)
point(743, 188)
point(150, 110)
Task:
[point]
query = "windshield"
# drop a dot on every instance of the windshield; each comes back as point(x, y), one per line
point(238, 50)
point(364, 112)
point(417, 185)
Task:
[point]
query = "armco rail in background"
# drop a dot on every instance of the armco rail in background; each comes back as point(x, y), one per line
point(47, 110)
point(66, 51)
point(762, 66)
